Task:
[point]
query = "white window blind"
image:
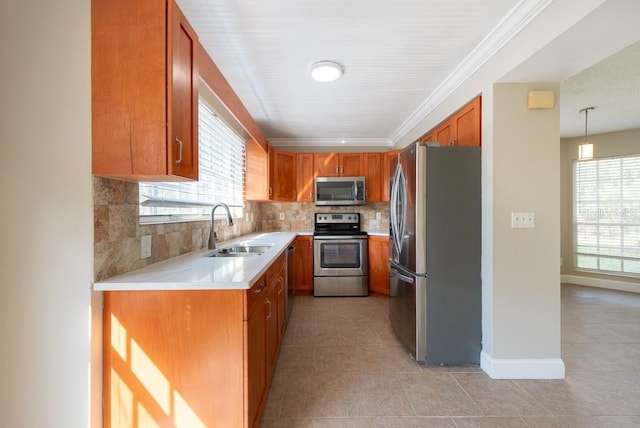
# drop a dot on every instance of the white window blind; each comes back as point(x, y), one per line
point(221, 157)
point(607, 215)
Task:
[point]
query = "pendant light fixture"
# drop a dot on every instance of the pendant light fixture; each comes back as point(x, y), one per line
point(585, 149)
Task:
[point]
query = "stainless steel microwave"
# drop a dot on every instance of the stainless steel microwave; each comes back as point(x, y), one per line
point(340, 191)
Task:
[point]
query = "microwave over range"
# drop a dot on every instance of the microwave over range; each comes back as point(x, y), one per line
point(340, 191)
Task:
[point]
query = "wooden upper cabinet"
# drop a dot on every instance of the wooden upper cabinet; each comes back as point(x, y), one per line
point(144, 91)
point(467, 124)
point(338, 164)
point(461, 128)
point(373, 176)
point(444, 134)
point(387, 174)
point(282, 175)
point(326, 164)
point(305, 177)
point(256, 182)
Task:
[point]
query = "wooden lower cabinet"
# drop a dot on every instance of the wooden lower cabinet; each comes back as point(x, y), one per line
point(191, 357)
point(303, 265)
point(379, 264)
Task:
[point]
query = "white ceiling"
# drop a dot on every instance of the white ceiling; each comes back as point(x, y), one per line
point(395, 55)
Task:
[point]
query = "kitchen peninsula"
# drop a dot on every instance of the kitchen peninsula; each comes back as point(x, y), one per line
point(193, 341)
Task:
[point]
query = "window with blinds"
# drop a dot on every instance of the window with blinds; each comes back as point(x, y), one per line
point(221, 157)
point(607, 215)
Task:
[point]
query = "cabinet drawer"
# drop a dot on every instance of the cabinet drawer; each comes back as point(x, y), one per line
point(275, 268)
point(254, 295)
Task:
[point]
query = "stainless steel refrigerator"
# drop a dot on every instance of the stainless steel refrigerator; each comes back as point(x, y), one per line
point(434, 268)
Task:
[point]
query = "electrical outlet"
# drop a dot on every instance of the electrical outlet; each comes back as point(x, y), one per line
point(378, 215)
point(281, 216)
point(145, 247)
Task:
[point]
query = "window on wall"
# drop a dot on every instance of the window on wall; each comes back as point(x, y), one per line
point(607, 215)
point(221, 158)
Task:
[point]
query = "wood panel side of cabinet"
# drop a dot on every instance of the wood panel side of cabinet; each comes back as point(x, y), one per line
point(379, 264)
point(387, 174)
point(373, 176)
point(168, 348)
point(128, 90)
point(305, 176)
point(256, 184)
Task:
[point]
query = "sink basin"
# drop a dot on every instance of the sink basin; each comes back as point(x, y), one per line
point(240, 251)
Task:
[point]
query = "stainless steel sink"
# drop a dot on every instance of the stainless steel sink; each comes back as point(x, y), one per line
point(240, 251)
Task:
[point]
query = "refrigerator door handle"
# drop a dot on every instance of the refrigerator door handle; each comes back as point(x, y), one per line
point(405, 278)
point(397, 221)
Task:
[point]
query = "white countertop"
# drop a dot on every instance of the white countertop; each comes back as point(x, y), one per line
point(196, 271)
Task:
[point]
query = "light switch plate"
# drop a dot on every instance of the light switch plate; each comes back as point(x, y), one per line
point(522, 220)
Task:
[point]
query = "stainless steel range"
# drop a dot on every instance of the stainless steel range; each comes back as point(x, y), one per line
point(340, 256)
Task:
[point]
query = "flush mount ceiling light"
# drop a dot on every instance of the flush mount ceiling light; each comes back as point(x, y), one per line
point(326, 71)
point(585, 149)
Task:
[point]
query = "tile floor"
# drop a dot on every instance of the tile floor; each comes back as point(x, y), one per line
point(341, 366)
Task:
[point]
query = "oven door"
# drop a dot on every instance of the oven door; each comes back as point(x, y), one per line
point(340, 256)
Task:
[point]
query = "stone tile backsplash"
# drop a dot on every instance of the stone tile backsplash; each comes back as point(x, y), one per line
point(299, 216)
point(117, 232)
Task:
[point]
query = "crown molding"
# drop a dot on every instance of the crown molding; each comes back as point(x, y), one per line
point(331, 142)
point(518, 18)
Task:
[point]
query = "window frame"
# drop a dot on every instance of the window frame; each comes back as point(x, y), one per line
point(607, 213)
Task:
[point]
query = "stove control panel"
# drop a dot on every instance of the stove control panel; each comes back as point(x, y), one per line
point(337, 218)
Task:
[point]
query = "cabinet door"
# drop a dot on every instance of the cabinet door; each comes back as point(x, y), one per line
point(183, 97)
point(444, 133)
point(427, 138)
point(387, 174)
point(256, 360)
point(282, 304)
point(303, 265)
point(305, 176)
point(351, 164)
point(467, 124)
point(282, 175)
point(373, 177)
point(326, 164)
point(271, 324)
point(379, 264)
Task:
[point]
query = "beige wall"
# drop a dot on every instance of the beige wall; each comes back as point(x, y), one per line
point(526, 262)
point(46, 221)
point(605, 145)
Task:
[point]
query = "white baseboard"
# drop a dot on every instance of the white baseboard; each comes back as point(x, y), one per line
point(543, 368)
point(610, 284)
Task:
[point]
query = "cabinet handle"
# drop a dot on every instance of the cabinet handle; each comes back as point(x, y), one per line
point(179, 160)
point(270, 191)
point(295, 194)
point(281, 289)
point(259, 289)
point(337, 170)
point(310, 243)
point(269, 302)
point(310, 195)
point(341, 170)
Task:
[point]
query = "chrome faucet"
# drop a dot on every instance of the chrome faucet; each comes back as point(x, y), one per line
point(213, 236)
